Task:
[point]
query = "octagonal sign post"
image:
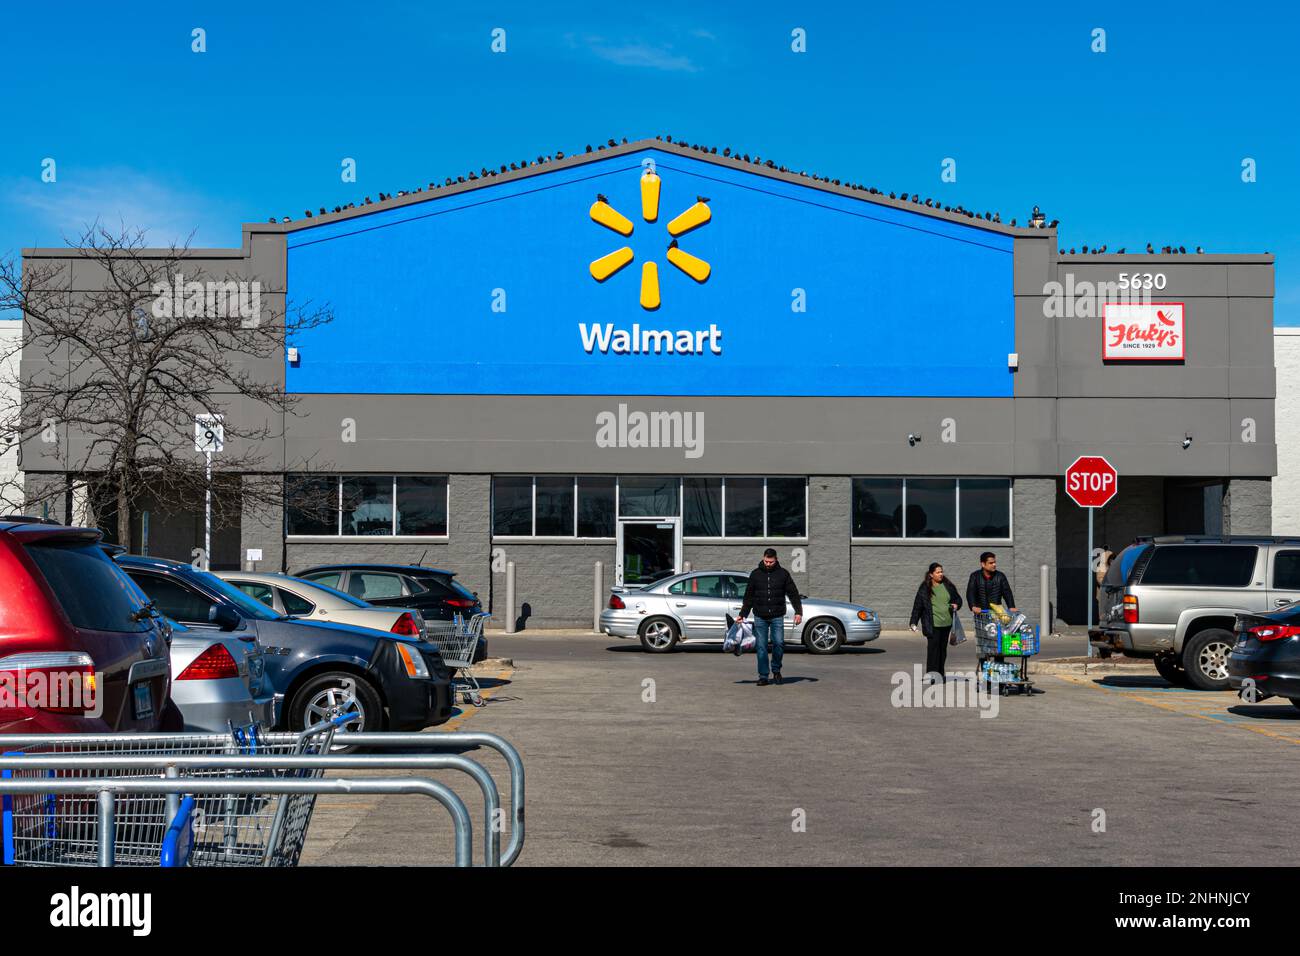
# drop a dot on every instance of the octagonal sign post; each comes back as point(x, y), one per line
point(1091, 482)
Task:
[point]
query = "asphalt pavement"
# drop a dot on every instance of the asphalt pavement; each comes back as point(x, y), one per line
point(680, 759)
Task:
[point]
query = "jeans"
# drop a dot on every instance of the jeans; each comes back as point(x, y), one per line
point(765, 627)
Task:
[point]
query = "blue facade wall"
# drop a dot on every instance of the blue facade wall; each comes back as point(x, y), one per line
point(897, 303)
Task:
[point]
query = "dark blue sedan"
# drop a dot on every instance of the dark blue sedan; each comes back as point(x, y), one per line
point(317, 669)
point(1267, 653)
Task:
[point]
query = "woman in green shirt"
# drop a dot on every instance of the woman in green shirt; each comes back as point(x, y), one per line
point(936, 602)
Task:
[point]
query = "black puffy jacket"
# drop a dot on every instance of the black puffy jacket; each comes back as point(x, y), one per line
point(982, 591)
point(767, 590)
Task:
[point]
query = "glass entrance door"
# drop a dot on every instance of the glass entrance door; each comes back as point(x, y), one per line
point(649, 550)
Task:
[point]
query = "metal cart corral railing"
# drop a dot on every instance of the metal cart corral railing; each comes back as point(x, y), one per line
point(98, 756)
point(457, 641)
point(106, 792)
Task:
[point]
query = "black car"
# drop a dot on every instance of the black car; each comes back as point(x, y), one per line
point(1267, 652)
point(434, 592)
point(317, 669)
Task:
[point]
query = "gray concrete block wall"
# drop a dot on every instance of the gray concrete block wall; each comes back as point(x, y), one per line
point(886, 576)
point(435, 554)
point(1248, 506)
point(262, 526)
point(830, 529)
point(469, 533)
point(555, 580)
point(1034, 507)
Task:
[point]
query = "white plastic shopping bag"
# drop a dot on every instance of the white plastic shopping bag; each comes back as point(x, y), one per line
point(739, 633)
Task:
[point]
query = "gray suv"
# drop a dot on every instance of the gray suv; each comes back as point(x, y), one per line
point(1175, 599)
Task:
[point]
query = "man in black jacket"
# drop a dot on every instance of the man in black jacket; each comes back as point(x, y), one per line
point(988, 585)
point(769, 585)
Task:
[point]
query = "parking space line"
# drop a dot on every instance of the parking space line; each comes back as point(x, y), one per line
point(500, 677)
point(1203, 708)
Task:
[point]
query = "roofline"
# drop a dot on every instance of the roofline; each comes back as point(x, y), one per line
point(1167, 258)
point(622, 149)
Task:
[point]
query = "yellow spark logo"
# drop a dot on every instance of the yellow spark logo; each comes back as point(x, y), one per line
point(609, 217)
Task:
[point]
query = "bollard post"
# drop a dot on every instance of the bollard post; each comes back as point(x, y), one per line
point(510, 597)
point(1044, 602)
point(598, 593)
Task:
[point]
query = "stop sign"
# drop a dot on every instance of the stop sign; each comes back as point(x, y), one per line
point(1091, 481)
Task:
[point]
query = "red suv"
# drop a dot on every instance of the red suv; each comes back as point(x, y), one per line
point(79, 650)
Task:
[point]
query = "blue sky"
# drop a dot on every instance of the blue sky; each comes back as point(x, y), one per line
point(1141, 143)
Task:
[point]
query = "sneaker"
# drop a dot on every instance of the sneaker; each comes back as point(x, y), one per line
point(762, 682)
point(776, 677)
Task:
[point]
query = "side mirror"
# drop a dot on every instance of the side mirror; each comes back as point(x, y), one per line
point(224, 617)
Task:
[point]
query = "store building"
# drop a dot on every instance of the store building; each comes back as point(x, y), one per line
point(651, 355)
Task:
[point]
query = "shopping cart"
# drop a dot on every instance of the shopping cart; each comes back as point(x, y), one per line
point(457, 641)
point(1004, 652)
point(209, 829)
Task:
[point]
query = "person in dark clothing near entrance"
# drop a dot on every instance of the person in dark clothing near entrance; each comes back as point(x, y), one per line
point(769, 585)
point(936, 602)
point(988, 585)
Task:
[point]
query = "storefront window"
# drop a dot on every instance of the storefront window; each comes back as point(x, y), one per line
point(512, 505)
point(596, 507)
point(648, 497)
point(985, 505)
point(931, 508)
point(702, 507)
point(877, 507)
point(421, 505)
point(744, 508)
point(968, 508)
point(368, 505)
point(786, 505)
point(554, 506)
point(311, 504)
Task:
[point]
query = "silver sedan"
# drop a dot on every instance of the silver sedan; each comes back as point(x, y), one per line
point(692, 609)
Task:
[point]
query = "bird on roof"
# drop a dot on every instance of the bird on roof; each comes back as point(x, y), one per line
point(307, 212)
point(589, 147)
point(559, 154)
point(286, 219)
point(1149, 248)
point(1182, 250)
point(1053, 224)
point(1084, 249)
point(726, 151)
point(1120, 251)
point(601, 197)
point(272, 219)
point(1200, 251)
point(1013, 223)
point(701, 198)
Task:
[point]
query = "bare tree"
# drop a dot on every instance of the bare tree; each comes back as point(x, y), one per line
point(117, 365)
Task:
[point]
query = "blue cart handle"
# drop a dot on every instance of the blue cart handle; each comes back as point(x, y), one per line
point(174, 851)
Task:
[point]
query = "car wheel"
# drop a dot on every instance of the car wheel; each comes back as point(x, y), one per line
point(333, 694)
point(1205, 659)
point(1170, 668)
point(823, 636)
point(659, 635)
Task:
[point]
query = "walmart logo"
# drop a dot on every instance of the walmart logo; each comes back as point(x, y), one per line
point(609, 217)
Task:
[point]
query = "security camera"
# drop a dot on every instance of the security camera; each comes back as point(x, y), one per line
point(1187, 441)
point(913, 438)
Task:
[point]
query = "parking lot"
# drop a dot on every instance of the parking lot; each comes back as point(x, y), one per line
point(681, 759)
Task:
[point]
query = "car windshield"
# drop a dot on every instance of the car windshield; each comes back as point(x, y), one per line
point(334, 592)
point(248, 606)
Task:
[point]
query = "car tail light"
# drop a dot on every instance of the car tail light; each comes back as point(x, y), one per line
point(55, 682)
point(1130, 609)
point(463, 603)
point(1273, 632)
point(406, 626)
point(215, 663)
point(616, 603)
